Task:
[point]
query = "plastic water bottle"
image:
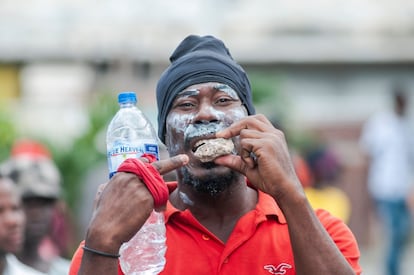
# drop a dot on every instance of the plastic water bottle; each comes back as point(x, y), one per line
point(130, 134)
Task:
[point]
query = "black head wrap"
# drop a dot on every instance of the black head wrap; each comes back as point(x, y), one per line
point(200, 59)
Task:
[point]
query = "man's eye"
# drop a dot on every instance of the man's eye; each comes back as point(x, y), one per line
point(225, 100)
point(186, 104)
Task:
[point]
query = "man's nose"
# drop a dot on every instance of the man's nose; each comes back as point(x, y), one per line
point(13, 218)
point(206, 114)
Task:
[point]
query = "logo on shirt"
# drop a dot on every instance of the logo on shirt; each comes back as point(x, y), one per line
point(278, 270)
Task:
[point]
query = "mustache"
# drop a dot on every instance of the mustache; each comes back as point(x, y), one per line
point(201, 130)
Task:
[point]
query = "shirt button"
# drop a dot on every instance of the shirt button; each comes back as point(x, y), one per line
point(206, 237)
point(226, 260)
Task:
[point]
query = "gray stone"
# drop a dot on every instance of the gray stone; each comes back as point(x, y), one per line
point(209, 149)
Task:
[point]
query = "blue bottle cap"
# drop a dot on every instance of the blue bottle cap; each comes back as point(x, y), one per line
point(126, 97)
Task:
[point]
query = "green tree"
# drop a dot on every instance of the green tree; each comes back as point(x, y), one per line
point(8, 132)
point(88, 149)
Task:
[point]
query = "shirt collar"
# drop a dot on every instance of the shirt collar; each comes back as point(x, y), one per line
point(266, 206)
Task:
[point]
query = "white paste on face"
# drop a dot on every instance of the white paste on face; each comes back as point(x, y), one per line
point(185, 198)
point(182, 123)
point(227, 89)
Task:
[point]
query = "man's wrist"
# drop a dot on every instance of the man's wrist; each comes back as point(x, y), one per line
point(100, 253)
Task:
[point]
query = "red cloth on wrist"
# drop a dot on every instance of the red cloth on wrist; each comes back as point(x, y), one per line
point(149, 175)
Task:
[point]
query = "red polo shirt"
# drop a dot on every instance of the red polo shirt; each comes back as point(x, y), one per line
point(259, 244)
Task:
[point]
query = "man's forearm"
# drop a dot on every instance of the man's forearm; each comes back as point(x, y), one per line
point(313, 249)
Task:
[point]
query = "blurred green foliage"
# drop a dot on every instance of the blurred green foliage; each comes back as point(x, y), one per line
point(86, 150)
point(8, 132)
point(267, 95)
point(269, 98)
point(264, 87)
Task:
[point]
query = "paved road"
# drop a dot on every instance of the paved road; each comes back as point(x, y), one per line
point(372, 259)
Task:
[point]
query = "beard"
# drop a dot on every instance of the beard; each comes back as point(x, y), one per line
point(213, 184)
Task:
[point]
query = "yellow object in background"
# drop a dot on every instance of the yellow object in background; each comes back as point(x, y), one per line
point(9, 81)
point(331, 199)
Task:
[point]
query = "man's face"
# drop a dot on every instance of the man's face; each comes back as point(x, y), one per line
point(197, 113)
point(12, 218)
point(39, 212)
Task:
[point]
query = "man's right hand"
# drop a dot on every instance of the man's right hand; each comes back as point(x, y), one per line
point(122, 206)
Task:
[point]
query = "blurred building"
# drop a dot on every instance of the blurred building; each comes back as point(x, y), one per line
point(333, 62)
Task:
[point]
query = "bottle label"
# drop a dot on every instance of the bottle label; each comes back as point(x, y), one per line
point(120, 152)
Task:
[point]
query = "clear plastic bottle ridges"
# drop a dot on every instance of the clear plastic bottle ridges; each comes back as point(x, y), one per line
point(129, 135)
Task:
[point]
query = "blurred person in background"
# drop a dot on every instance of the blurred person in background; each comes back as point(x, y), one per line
point(322, 190)
point(318, 170)
point(387, 141)
point(12, 222)
point(39, 180)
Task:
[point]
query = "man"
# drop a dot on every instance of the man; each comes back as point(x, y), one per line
point(39, 181)
point(12, 222)
point(217, 222)
point(386, 140)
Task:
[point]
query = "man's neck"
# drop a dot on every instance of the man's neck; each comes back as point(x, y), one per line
point(218, 213)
